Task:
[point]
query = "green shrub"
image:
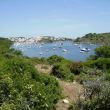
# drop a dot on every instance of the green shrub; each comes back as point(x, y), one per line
point(102, 63)
point(21, 86)
point(24, 87)
point(96, 95)
point(4, 45)
point(76, 68)
point(103, 51)
point(107, 76)
point(62, 71)
point(54, 59)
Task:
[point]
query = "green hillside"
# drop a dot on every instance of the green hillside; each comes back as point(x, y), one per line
point(103, 38)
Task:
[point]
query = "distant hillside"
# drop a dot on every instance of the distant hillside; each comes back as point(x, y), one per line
point(103, 38)
point(49, 39)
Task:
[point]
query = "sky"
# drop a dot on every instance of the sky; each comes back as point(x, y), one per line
point(61, 18)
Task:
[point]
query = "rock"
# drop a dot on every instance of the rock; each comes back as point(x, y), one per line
point(65, 101)
point(74, 82)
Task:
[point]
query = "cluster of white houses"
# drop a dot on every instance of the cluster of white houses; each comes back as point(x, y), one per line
point(35, 39)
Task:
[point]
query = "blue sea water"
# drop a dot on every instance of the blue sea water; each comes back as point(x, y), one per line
point(48, 49)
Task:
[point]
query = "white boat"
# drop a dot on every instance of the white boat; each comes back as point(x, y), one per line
point(88, 49)
point(85, 49)
point(76, 44)
point(41, 53)
point(53, 48)
point(81, 51)
point(64, 50)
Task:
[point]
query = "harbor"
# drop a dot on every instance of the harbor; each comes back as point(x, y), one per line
point(67, 49)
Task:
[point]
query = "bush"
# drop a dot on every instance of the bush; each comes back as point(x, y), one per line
point(107, 76)
point(76, 68)
point(21, 86)
point(103, 51)
point(102, 63)
point(24, 87)
point(61, 68)
point(62, 72)
point(96, 96)
point(54, 59)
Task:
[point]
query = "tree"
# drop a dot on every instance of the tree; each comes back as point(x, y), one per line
point(103, 51)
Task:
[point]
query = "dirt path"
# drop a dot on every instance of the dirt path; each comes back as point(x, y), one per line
point(43, 68)
point(71, 90)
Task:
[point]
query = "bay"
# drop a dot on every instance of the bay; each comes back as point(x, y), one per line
point(66, 49)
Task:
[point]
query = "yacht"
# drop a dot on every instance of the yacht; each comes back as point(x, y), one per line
point(76, 44)
point(53, 48)
point(41, 53)
point(64, 50)
point(85, 49)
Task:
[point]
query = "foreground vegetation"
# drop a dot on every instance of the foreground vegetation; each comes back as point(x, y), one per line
point(93, 74)
point(22, 87)
point(95, 77)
